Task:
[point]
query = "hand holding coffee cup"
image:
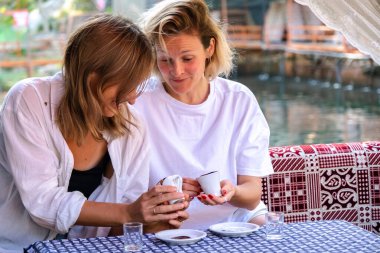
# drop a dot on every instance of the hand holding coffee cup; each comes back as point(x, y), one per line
point(210, 183)
point(191, 187)
point(174, 180)
point(215, 192)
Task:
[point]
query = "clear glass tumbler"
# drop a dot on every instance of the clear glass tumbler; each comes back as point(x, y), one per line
point(133, 234)
point(274, 223)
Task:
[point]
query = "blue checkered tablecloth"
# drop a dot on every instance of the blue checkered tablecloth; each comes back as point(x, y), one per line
point(316, 236)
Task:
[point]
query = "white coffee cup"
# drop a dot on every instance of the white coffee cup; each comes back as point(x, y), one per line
point(174, 180)
point(210, 183)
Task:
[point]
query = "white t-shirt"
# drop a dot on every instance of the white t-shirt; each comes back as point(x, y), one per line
point(227, 132)
point(36, 165)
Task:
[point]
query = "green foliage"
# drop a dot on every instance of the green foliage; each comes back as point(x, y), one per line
point(9, 77)
point(5, 20)
point(8, 34)
point(18, 4)
point(84, 5)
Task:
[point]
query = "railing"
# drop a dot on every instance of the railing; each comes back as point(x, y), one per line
point(38, 50)
point(317, 38)
point(305, 39)
point(28, 51)
point(245, 36)
point(28, 55)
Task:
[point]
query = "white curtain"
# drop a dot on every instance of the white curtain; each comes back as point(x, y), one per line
point(357, 20)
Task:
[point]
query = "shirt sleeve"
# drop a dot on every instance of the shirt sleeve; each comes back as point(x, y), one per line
point(253, 157)
point(35, 164)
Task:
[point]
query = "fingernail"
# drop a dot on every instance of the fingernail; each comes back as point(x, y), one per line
point(210, 196)
point(199, 198)
point(204, 197)
point(191, 198)
point(224, 192)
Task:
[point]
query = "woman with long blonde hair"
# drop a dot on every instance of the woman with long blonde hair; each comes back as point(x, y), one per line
point(73, 150)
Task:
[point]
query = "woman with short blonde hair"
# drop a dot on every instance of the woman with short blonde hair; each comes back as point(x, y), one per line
point(201, 121)
point(166, 19)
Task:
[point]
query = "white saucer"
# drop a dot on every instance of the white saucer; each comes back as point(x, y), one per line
point(234, 229)
point(173, 236)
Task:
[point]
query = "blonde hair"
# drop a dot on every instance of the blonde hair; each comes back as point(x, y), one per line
point(172, 17)
point(117, 52)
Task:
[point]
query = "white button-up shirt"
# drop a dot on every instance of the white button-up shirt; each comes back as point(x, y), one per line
point(36, 165)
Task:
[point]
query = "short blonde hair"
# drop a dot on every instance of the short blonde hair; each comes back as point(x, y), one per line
point(118, 52)
point(172, 17)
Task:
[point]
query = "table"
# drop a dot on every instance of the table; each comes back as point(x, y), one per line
point(315, 236)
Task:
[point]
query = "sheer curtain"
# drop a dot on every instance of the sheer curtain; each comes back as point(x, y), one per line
point(357, 20)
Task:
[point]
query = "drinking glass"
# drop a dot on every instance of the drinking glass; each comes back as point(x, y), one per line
point(133, 236)
point(274, 223)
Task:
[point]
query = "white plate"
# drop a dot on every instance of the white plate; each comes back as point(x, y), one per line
point(234, 229)
point(180, 236)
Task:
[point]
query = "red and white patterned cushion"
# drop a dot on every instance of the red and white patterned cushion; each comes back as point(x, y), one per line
point(326, 182)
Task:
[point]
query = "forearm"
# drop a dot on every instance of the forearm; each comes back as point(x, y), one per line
point(103, 214)
point(247, 193)
point(149, 207)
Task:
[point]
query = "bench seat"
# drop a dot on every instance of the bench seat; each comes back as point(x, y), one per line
point(326, 182)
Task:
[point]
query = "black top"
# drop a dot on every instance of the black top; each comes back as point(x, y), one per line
point(87, 181)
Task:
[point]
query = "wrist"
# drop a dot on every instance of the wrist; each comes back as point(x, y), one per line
point(125, 213)
point(235, 193)
point(235, 198)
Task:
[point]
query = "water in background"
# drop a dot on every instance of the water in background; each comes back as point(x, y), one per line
point(311, 112)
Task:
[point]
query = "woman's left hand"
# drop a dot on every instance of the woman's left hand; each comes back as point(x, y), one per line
point(227, 192)
point(164, 225)
point(182, 216)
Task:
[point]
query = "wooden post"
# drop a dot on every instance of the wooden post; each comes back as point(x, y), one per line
point(224, 11)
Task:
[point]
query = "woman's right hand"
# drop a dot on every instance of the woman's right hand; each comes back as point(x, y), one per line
point(154, 206)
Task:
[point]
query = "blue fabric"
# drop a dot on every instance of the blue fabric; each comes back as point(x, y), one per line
point(317, 236)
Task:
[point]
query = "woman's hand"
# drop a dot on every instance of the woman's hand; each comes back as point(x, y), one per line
point(171, 224)
point(164, 225)
point(182, 216)
point(191, 187)
point(227, 192)
point(153, 206)
point(152, 227)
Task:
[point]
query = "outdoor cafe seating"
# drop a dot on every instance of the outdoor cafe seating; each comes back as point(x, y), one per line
point(330, 194)
point(337, 181)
